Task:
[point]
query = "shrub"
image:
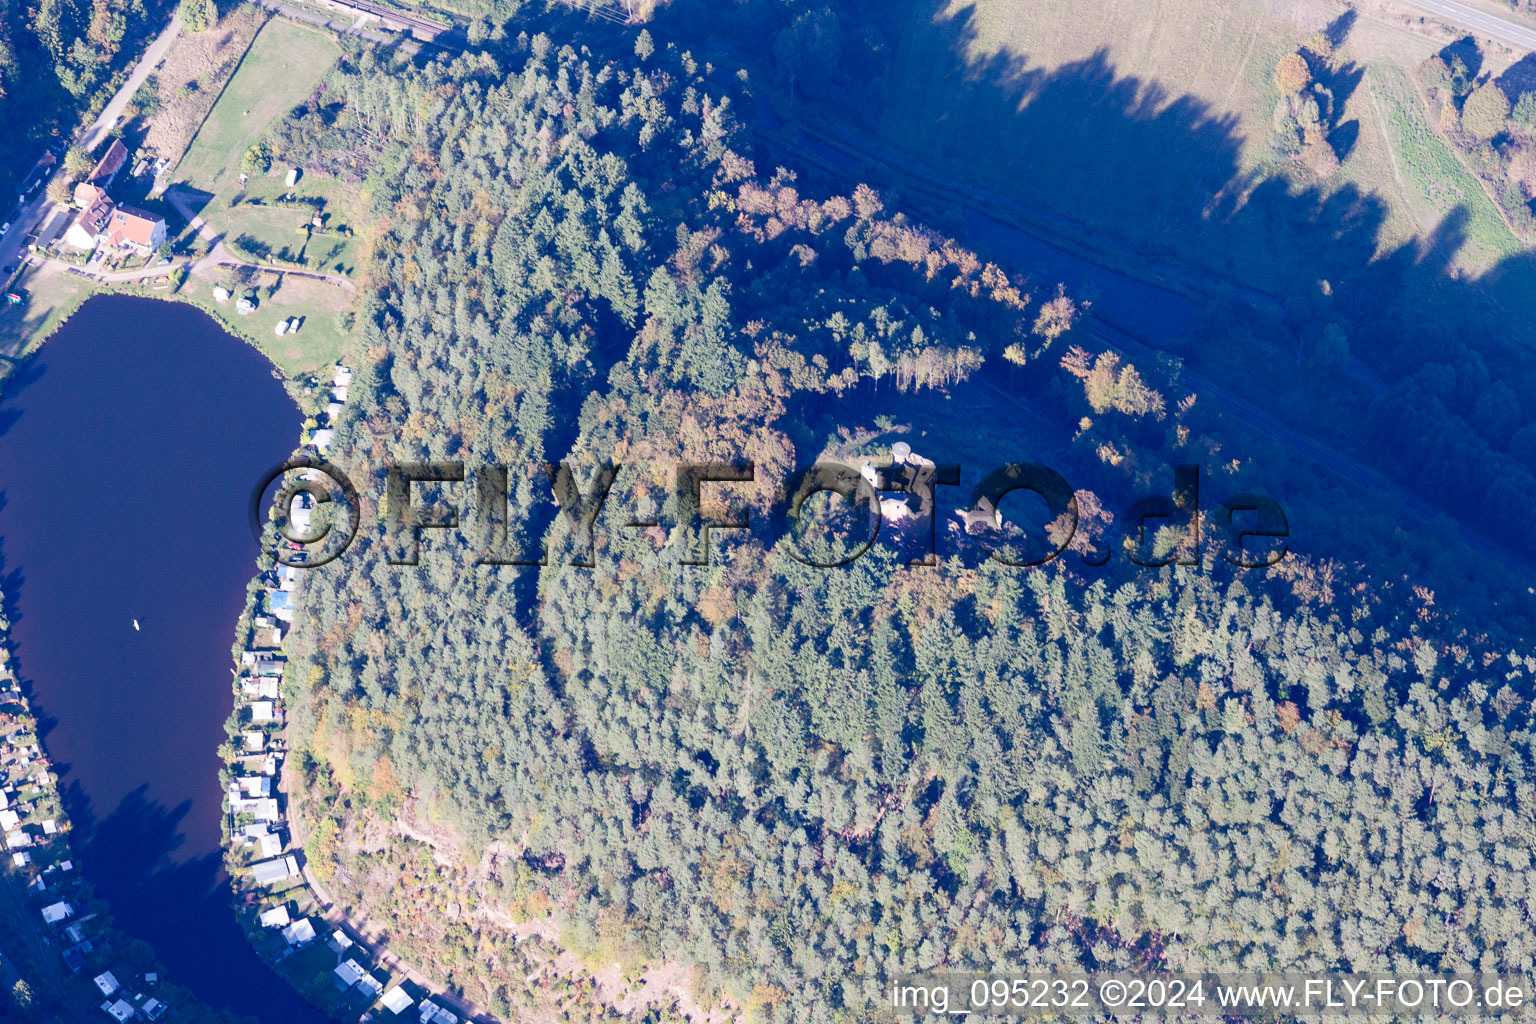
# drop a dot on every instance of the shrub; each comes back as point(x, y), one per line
point(1486, 112)
point(1292, 74)
point(257, 159)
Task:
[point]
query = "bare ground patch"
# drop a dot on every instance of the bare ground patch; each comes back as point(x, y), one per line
point(195, 69)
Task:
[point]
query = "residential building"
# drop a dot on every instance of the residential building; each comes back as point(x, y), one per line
point(348, 973)
point(300, 932)
point(91, 223)
point(397, 1001)
point(132, 228)
point(271, 872)
point(107, 167)
point(277, 917)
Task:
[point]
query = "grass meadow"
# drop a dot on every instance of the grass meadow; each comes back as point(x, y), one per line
point(285, 63)
point(263, 217)
point(1149, 120)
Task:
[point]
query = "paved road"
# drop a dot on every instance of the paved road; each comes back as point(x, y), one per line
point(1481, 22)
point(141, 71)
point(11, 242)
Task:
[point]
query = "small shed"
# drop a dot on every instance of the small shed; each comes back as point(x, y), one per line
point(220, 294)
point(396, 1000)
point(293, 177)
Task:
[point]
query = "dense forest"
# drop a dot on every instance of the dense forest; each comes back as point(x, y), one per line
point(56, 58)
point(802, 782)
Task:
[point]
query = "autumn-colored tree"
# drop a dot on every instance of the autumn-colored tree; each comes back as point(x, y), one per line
point(1056, 316)
point(76, 162)
point(59, 191)
point(1450, 118)
point(1486, 112)
point(1292, 74)
point(198, 15)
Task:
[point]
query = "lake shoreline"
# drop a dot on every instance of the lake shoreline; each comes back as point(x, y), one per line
point(189, 390)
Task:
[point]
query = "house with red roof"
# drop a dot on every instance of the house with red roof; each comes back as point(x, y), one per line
point(102, 221)
point(91, 222)
point(132, 228)
point(110, 163)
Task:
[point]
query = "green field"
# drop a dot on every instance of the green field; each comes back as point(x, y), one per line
point(1150, 121)
point(283, 66)
point(262, 217)
point(320, 340)
point(49, 296)
point(1438, 180)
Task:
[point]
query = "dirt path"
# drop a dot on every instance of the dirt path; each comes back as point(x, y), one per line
point(220, 256)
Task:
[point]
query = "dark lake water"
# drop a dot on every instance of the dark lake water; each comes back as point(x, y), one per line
point(128, 448)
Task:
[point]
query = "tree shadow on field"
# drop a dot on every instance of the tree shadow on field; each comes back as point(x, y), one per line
point(1392, 355)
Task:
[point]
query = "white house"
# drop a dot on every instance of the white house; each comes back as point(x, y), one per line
point(348, 973)
point(261, 711)
point(107, 982)
point(397, 1001)
point(271, 872)
point(56, 912)
point(120, 1011)
point(254, 785)
point(262, 809)
point(300, 932)
point(277, 917)
point(9, 820)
